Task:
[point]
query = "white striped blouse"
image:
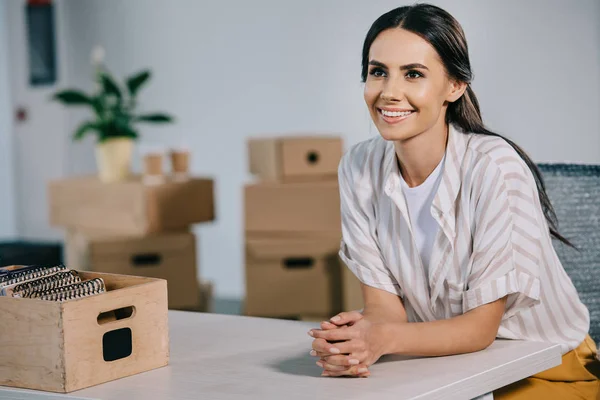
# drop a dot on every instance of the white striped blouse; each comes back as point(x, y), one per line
point(493, 240)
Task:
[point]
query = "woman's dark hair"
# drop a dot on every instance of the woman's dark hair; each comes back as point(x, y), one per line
point(446, 36)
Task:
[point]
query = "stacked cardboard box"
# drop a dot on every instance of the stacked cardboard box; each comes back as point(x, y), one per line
point(137, 229)
point(293, 230)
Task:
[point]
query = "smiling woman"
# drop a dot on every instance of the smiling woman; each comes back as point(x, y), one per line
point(446, 224)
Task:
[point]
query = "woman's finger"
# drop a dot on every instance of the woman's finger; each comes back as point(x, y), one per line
point(321, 346)
point(356, 370)
point(355, 346)
point(332, 367)
point(334, 335)
point(342, 360)
point(345, 318)
point(326, 325)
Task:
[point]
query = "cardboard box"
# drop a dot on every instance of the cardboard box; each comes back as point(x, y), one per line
point(206, 300)
point(292, 277)
point(295, 158)
point(169, 256)
point(130, 207)
point(292, 208)
point(71, 345)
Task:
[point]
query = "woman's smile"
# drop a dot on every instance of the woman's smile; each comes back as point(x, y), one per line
point(393, 115)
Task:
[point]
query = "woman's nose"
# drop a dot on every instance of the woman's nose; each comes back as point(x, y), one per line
point(393, 90)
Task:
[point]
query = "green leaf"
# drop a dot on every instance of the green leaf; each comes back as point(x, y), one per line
point(135, 82)
point(85, 128)
point(73, 97)
point(157, 117)
point(109, 85)
point(120, 126)
point(114, 130)
point(122, 120)
point(98, 104)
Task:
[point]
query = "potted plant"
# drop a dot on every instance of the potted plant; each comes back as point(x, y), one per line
point(115, 116)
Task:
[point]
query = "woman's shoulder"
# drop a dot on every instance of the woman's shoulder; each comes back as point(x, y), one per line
point(495, 164)
point(364, 160)
point(495, 153)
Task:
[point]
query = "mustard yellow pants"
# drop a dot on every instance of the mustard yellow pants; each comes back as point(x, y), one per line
point(575, 378)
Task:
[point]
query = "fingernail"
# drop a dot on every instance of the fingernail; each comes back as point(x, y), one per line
point(336, 318)
point(325, 374)
point(352, 361)
point(313, 353)
point(311, 333)
point(362, 370)
point(320, 364)
point(334, 350)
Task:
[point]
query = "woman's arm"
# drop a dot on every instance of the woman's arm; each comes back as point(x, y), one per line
point(382, 306)
point(385, 317)
point(384, 330)
point(470, 332)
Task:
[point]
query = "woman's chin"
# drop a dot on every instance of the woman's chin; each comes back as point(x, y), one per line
point(394, 134)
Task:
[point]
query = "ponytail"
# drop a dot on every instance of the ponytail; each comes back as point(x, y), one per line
point(465, 114)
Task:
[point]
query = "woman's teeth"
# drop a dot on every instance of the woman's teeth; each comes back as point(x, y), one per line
point(395, 113)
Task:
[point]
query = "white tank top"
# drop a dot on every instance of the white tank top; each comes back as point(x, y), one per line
point(419, 200)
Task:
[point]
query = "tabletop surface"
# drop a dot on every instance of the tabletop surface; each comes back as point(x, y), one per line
point(216, 356)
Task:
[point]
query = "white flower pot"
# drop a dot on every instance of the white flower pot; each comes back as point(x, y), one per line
point(113, 157)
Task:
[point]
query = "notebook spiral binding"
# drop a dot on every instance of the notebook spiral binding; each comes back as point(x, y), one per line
point(13, 277)
point(26, 289)
point(74, 291)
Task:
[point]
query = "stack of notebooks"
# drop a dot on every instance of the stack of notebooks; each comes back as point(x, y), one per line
point(56, 283)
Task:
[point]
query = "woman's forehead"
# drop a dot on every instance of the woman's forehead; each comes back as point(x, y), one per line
point(400, 47)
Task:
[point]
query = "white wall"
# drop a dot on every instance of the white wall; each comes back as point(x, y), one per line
point(39, 142)
point(7, 198)
point(232, 69)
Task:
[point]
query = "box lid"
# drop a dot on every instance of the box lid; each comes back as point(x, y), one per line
point(276, 249)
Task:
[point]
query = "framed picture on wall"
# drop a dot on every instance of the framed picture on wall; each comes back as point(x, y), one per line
point(41, 45)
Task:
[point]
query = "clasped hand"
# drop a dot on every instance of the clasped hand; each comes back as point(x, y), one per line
point(347, 345)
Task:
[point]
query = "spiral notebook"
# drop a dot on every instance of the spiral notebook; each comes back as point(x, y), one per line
point(29, 288)
point(74, 291)
point(56, 283)
point(22, 273)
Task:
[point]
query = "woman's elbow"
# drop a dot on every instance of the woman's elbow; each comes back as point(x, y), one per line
point(488, 338)
point(487, 320)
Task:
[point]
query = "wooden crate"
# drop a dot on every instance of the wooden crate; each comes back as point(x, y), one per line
point(67, 346)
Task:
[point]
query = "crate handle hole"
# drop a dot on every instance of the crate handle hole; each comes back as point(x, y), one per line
point(312, 157)
point(117, 344)
point(115, 315)
point(299, 262)
point(146, 260)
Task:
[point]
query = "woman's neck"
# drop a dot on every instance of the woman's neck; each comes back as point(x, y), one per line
point(421, 154)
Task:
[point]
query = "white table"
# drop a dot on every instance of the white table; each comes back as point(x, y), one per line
point(233, 357)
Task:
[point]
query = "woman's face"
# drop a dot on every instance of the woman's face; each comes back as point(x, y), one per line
point(407, 88)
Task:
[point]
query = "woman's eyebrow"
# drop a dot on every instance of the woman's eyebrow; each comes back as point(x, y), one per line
point(404, 67)
point(377, 63)
point(413, 66)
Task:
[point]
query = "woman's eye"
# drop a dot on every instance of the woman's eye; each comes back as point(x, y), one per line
point(414, 74)
point(377, 72)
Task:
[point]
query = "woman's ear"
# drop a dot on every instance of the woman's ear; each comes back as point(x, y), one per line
point(457, 89)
